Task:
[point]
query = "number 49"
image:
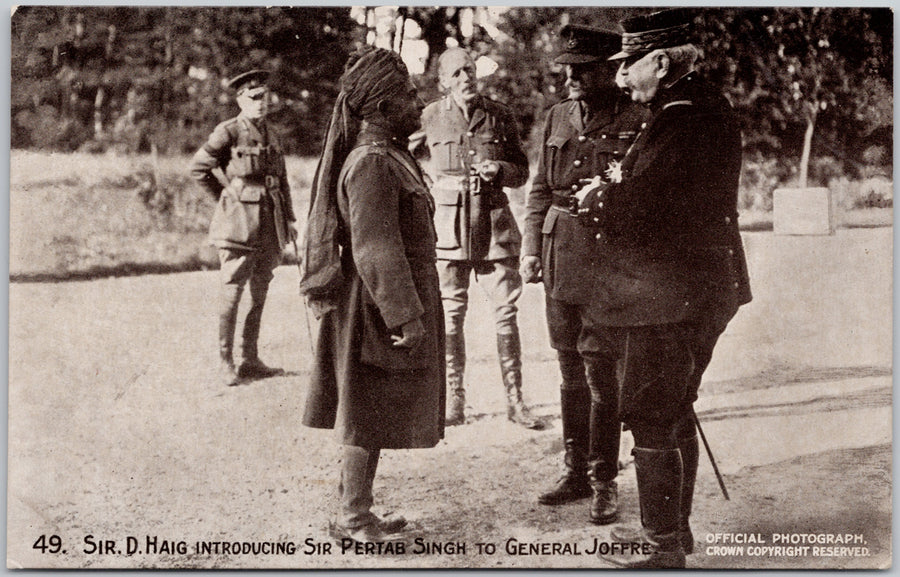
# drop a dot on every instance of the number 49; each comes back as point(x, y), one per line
point(51, 544)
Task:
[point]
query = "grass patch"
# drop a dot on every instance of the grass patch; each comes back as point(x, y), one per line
point(82, 215)
point(77, 216)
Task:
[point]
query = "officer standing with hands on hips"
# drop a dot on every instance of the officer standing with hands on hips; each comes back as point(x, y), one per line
point(584, 137)
point(672, 270)
point(475, 151)
point(252, 221)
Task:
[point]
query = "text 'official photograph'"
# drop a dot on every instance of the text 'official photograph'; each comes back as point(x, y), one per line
point(447, 287)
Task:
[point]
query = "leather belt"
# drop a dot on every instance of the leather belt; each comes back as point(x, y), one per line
point(562, 198)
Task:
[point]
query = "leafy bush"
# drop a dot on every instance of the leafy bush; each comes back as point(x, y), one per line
point(873, 192)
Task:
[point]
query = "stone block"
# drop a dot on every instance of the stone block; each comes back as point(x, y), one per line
point(803, 211)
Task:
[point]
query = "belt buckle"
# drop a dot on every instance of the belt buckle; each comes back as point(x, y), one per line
point(475, 184)
point(573, 205)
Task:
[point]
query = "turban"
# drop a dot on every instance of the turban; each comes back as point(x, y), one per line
point(370, 75)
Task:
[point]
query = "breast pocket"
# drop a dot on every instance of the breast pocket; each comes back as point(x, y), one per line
point(554, 150)
point(445, 156)
point(446, 215)
point(490, 147)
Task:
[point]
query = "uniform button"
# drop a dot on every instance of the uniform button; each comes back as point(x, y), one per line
point(727, 220)
point(599, 236)
point(596, 219)
point(582, 138)
point(471, 153)
point(470, 134)
point(730, 252)
point(737, 285)
point(603, 136)
point(643, 125)
point(575, 187)
point(577, 163)
point(599, 205)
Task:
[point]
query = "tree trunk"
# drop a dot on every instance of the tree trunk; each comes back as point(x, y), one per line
point(807, 145)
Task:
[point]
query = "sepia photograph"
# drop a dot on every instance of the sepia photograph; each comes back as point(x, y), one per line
point(450, 287)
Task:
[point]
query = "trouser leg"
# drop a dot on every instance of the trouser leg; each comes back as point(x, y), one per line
point(234, 271)
point(229, 301)
point(265, 263)
point(501, 281)
point(250, 336)
point(657, 370)
point(454, 279)
point(251, 365)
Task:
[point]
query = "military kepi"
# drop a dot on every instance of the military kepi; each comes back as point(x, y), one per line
point(248, 80)
point(583, 44)
point(646, 33)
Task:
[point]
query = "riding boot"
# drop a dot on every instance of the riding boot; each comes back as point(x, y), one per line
point(356, 520)
point(251, 366)
point(604, 434)
point(574, 403)
point(229, 299)
point(659, 480)
point(456, 384)
point(510, 351)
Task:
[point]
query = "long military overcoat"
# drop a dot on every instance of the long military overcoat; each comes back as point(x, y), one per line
point(473, 224)
point(573, 150)
point(670, 249)
point(374, 394)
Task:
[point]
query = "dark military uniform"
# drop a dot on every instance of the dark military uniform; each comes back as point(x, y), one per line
point(668, 239)
point(576, 149)
point(251, 223)
point(672, 271)
point(476, 229)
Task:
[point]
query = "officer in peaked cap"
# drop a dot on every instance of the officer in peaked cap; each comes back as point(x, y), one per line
point(583, 137)
point(584, 44)
point(249, 80)
point(646, 33)
point(252, 221)
point(673, 270)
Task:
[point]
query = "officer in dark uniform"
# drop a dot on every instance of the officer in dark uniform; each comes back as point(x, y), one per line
point(253, 218)
point(475, 151)
point(585, 137)
point(672, 269)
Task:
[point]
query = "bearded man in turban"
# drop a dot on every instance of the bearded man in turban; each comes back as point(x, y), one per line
point(371, 279)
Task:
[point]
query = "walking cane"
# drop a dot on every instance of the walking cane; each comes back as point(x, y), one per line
point(305, 308)
point(712, 460)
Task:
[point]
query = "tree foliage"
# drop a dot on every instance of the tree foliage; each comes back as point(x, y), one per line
point(136, 77)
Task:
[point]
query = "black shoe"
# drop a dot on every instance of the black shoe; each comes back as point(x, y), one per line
point(371, 533)
point(392, 523)
point(605, 502)
point(569, 488)
point(650, 554)
point(256, 369)
point(625, 534)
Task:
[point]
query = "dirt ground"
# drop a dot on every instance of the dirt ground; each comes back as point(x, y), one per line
point(118, 433)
